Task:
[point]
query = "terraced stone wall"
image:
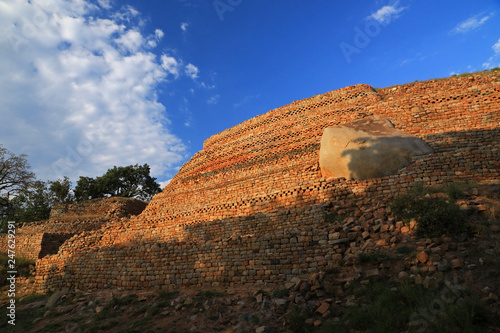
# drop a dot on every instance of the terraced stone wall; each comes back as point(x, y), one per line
point(35, 240)
point(252, 206)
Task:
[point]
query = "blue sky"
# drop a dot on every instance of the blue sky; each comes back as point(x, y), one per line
point(89, 84)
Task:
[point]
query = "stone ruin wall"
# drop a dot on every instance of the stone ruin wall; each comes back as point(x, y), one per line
point(250, 207)
point(35, 240)
point(101, 207)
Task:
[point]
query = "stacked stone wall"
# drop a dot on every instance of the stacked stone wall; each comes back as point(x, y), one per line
point(101, 207)
point(35, 240)
point(28, 246)
point(250, 207)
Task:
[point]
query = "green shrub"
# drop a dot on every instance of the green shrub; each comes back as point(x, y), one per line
point(467, 315)
point(332, 217)
point(434, 215)
point(295, 321)
point(454, 191)
point(168, 295)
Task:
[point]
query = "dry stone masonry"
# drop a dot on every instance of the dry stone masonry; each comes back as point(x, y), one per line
point(252, 207)
point(38, 239)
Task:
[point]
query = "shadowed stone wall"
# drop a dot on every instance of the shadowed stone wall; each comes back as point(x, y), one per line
point(251, 207)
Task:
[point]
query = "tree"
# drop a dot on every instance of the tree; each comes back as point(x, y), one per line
point(133, 181)
point(32, 203)
point(15, 175)
point(86, 189)
point(61, 191)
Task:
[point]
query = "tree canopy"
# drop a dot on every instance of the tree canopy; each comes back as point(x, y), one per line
point(133, 181)
point(32, 203)
point(61, 191)
point(15, 175)
point(25, 199)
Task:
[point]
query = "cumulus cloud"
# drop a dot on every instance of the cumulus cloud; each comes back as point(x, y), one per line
point(472, 23)
point(192, 71)
point(170, 65)
point(79, 91)
point(184, 26)
point(159, 34)
point(106, 4)
point(387, 13)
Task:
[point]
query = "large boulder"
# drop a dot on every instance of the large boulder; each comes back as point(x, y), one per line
point(367, 148)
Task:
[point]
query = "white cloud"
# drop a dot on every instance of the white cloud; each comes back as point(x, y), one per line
point(472, 23)
point(496, 47)
point(159, 34)
point(208, 86)
point(184, 26)
point(79, 91)
point(192, 71)
point(131, 41)
point(246, 100)
point(165, 183)
point(171, 65)
point(106, 4)
point(213, 99)
point(387, 13)
point(494, 60)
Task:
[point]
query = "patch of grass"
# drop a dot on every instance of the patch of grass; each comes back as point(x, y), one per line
point(21, 325)
point(106, 313)
point(496, 69)
point(162, 303)
point(140, 325)
point(31, 298)
point(388, 307)
point(53, 327)
point(125, 300)
point(168, 295)
point(373, 257)
point(140, 310)
point(434, 215)
point(454, 191)
point(466, 316)
point(108, 324)
point(153, 310)
point(22, 266)
point(384, 309)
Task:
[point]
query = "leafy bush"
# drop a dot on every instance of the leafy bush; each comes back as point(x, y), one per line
point(295, 321)
point(434, 215)
point(454, 191)
point(332, 217)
